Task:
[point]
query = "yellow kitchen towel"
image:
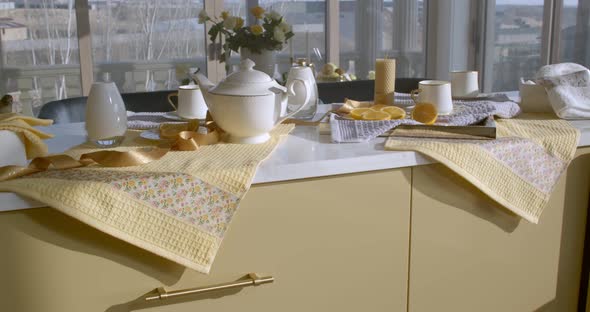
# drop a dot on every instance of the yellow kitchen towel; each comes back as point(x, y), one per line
point(518, 170)
point(178, 206)
point(24, 126)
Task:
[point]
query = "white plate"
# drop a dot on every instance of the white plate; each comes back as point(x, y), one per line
point(174, 116)
point(152, 134)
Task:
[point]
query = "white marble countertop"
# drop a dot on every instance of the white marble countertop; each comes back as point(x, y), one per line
point(304, 154)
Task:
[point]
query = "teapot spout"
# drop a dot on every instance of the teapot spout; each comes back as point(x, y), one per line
point(204, 83)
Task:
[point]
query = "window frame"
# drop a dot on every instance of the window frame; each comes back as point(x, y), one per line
point(439, 40)
point(550, 43)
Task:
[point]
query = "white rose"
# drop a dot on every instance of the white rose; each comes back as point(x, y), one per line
point(274, 15)
point(203, 17)
point(279, 35)
point(285, 27)
point(329, 69)
point(230, 22)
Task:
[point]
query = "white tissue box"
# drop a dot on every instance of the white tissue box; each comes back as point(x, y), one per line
point(533, 98)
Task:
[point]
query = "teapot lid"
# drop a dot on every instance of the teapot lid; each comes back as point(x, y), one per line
point(246, 82)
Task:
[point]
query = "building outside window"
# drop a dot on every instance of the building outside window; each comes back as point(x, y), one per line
point(146, 45)
point(39, 50)
point(575, 32)
point(376, 29)
point(518, 27)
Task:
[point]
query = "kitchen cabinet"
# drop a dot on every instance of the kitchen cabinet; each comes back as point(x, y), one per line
point(333, 244)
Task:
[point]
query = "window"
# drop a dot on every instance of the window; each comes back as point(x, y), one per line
point(575, 32)
point(518, 27)
point(375, 29)
point(146, 45)
point(308, 19)
point(39, 51)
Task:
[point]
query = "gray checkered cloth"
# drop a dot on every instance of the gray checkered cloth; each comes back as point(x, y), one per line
point(139, 121)
point(465, 112)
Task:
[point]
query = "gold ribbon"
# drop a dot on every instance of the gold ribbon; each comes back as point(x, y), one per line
point(188, 137)
point(186, 140)
point(103, 158)
point(190, 140)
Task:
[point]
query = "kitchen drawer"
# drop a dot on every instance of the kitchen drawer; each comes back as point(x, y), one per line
point(333, 244)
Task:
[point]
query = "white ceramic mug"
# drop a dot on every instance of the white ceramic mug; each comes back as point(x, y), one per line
point(191, 104)
point(436, 92)
point(464, 84)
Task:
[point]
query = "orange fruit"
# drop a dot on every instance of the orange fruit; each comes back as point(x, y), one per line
point(395, 112)
point(352, 104)
point(378, 107)
point(375, 115)
point(425, 113)
point(357, 112)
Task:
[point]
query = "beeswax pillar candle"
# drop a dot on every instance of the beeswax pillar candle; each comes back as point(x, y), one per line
point(384, 81)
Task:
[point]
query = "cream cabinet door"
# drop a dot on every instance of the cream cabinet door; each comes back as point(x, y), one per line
point(469, 254)
point(333, 244)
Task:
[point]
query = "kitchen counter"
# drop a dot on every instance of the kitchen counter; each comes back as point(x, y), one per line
point(304, 154)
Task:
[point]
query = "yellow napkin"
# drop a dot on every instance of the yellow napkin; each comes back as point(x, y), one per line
point(24, 126)
point(178, 206)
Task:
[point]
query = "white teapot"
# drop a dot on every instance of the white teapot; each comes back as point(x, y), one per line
point(248, 103)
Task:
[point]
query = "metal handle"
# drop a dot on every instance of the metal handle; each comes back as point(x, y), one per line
point(252, 280)
point(170, 101)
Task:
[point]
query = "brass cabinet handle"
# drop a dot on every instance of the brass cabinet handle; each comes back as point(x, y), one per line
point(252, 280)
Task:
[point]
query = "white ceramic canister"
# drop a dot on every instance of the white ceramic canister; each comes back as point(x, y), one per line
point(106, 116)
point(265, 60)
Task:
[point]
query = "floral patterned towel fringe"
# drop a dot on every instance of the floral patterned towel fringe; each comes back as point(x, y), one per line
point(178, 207)
point(518, 170)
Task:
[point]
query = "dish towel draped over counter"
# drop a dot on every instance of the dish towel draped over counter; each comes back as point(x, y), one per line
point(140, 121)
point(31, 137)
point(178, 206)
point(519, 169)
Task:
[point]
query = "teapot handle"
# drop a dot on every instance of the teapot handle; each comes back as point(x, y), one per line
point(290, 91)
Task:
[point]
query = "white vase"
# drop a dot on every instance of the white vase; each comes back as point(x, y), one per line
point(265, 61)
point(106, 116)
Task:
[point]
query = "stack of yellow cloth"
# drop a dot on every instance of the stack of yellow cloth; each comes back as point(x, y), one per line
point(178, 206)
point(518, 170)
point(23, 126)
